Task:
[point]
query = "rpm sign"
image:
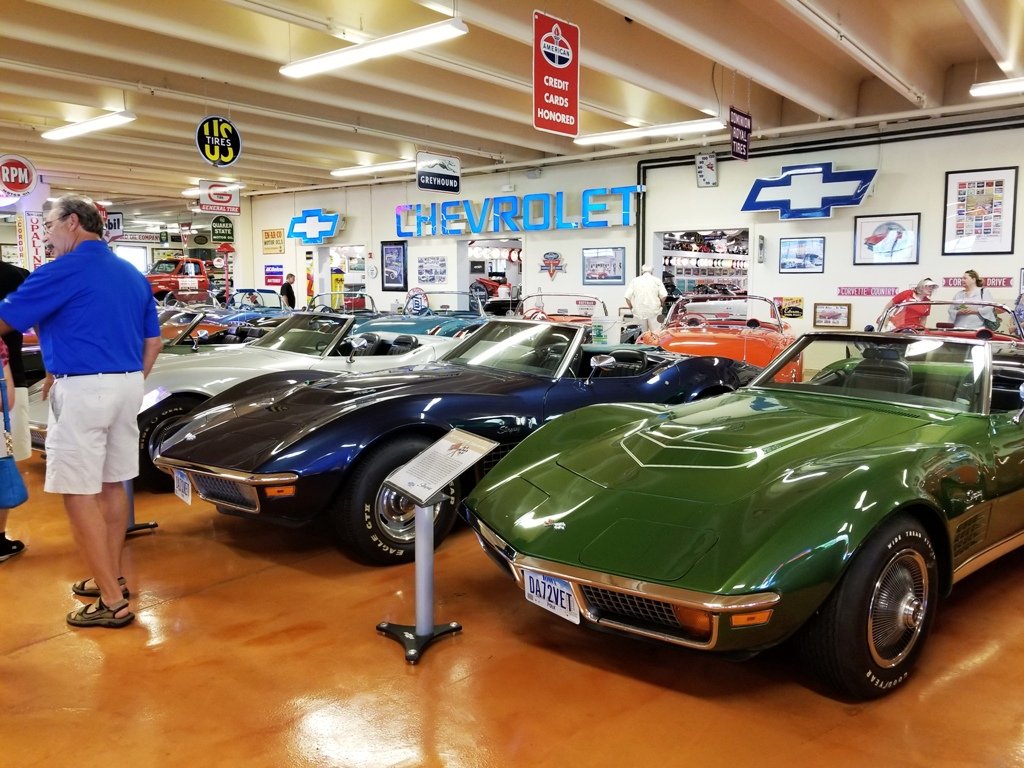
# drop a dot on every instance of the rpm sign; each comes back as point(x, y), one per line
point(18, 176)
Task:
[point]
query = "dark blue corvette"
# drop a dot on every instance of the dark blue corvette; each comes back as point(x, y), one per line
point(290, 446)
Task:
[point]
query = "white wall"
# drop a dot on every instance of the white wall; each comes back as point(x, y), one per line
point(911, 179)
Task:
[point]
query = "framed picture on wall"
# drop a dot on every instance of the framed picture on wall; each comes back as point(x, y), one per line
point(801, 254)
point(604, 266)
point(394, 265)
point(980, 209)
point(887, 239)
point(832, 315)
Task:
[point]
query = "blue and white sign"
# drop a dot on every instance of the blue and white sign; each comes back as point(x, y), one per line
point(313, 226)
point(438, 173)
point(809, 191)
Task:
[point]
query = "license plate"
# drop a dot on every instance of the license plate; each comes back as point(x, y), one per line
point(552, 594)
point(182, 486)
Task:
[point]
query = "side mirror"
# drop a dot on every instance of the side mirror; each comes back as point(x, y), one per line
point(600, 363)
point(358, 343)
point(200, 336)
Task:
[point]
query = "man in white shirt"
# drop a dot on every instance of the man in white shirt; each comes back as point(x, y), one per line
point(644, 296)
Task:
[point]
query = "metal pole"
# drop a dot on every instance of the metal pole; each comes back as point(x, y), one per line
point(424, 570)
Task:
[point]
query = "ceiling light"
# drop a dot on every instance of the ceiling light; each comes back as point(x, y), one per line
point(190, 192)
point(670, 129)
point(998, 87)
point(104, 203)
point(108, 120)
point(366, 170)
point(382, 46)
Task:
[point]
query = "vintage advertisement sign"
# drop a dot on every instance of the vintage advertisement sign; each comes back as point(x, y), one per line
point(18, 176)
point(556, 75)
point(273, 274)
point(438, 173)
point(740, 125)
point(219, 197)
point(30, 239)
point(222, 230)
point(114, 223)
point(218, 141)
point(273, 241)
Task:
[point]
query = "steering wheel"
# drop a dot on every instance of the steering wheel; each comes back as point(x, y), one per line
point(535, 313)
point(691, 319)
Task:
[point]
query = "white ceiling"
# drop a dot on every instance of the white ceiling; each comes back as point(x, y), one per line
point(796, 65)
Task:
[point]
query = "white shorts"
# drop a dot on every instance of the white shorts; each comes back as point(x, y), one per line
point(92, 436)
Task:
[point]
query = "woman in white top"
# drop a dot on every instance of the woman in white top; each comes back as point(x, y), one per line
point(962, 313)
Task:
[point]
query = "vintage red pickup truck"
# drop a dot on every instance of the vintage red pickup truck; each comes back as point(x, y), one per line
point(180, 276)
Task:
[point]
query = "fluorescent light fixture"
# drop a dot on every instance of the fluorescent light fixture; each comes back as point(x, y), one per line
point(669, 129)
point(382, 46)
point(998, 87)
point(100, 123)
point(104, 203)
point(367, 170)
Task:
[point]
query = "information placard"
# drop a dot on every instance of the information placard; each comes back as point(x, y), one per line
point(430, 472)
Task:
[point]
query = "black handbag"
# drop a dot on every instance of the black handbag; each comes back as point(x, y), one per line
point(12, 488)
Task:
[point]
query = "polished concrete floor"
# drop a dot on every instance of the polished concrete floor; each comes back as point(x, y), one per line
point(257, 646)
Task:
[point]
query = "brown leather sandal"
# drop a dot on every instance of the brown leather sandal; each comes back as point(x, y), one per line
point(100, 615)
point(81, 590)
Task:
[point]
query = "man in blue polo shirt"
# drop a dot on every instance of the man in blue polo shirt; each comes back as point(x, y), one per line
point(99, 335)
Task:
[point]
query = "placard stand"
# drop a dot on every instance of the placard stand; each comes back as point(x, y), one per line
point(415, 639)
point(133, 527)
point(423, 480)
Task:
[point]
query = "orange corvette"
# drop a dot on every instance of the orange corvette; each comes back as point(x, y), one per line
point(747, 328)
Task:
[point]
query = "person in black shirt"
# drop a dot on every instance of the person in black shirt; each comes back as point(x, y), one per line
point(288, 292)
point(11, 277)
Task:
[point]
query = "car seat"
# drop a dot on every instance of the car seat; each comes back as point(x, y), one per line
point(402, 344)
point(881, 370)
point(628, 362)
point(372, 347)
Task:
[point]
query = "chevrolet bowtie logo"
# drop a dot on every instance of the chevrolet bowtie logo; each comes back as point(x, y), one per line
point(809, 191)
point(312, 226)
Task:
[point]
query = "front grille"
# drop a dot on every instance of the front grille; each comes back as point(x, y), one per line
point(494, 457)
point(629, 609)
point(221, 491)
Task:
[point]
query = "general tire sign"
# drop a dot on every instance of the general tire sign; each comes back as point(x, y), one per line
point(218, 141)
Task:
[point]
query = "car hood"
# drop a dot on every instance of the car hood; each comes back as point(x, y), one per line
point(252, 430)
point(651, 499)
point(731, 446)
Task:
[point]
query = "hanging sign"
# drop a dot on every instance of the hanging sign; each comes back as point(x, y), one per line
point(438, 173)
point(18, 176)
point(222, 230)
point(218, 141)
point(30, 238)
point(114, 225)
point(219, 197)
point(740, 125)
point(556, 75)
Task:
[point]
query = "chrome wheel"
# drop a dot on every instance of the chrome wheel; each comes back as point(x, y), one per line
point(899, 605)
point(396, 515)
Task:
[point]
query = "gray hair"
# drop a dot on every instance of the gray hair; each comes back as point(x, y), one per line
point(88, 215)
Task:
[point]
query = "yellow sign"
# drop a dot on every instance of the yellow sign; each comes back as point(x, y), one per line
point(218, 141)
point(273, 241)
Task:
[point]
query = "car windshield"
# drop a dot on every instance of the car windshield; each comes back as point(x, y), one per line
point(163, 267)
point(307, 333)
point(723, 312)
point(343, 301)
point(952, 318)
point(949, 374)
point(537, 348)
point(443, 303)
point(248, 298)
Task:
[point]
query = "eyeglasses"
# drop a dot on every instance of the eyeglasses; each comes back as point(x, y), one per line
point(48, 225)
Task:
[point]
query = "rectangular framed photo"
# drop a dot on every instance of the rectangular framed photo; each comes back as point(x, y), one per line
point(980, 209)
point(887, 239)
point(394, 273)
point(801, 254)
point(831, 315)
point(604, 266)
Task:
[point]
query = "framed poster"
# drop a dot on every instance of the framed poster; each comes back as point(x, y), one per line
point(394, 272)
point(887, 239)
point(980, 211)
point(832, 315)
point(604, 266)
point(801, 254)
point(432, 270)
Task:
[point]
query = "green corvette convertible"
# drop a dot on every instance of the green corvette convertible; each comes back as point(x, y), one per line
point(837, 509)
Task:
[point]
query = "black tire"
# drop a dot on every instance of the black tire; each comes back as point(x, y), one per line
point(152, 426)
point(376, 525)
point(864, 641)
